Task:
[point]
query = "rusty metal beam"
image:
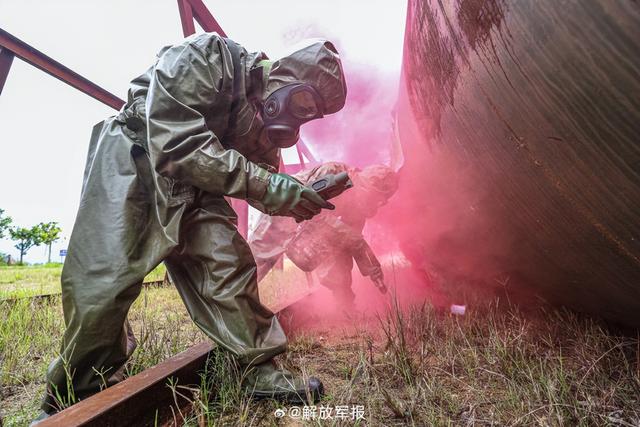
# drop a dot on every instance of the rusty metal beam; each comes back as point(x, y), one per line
point(52, 67)
point(6, 59)
point(300, 156)
point(135, 400)
point(186, 18)
point(12, 300)
point(205, 18)
point(305, 150)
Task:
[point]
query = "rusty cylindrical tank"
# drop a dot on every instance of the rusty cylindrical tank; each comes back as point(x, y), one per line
point(529, 120)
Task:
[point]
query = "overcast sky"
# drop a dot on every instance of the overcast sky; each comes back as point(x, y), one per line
point(45, 124)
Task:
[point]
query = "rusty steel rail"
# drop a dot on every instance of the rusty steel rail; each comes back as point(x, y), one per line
point(146, 399)
point(150, 284)
point(196, 9)
point(52, 67)
point(143, 399)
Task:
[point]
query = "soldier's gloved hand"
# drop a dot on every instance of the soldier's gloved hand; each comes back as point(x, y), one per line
point(286, 196)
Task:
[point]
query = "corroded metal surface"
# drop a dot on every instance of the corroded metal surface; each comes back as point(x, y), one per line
point(529, 115)
point(50, 66)
point(139, 400)
point(6, 59)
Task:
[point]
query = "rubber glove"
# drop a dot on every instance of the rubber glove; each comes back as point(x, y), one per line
point(286, 196)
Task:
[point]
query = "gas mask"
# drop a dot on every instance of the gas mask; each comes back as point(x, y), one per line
point(286, 109)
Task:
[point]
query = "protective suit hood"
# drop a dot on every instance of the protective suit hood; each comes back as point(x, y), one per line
point(317, 63)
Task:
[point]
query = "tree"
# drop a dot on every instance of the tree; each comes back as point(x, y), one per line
point(5, 221)
point(48, 233)
point(26, 238)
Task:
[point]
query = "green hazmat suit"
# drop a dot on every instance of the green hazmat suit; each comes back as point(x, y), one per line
point(154, 190)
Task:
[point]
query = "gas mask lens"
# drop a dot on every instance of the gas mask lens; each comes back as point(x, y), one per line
point(303, 105)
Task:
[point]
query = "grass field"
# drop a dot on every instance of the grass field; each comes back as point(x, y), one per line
point(30, 338)
point(29, 280)
point(411, 365)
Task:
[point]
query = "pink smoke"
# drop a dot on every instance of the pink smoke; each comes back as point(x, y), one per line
point(432, 212)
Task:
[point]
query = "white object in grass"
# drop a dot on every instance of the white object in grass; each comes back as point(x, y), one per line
point(458, 309)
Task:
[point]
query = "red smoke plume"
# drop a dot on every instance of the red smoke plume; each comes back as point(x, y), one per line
point(432, 211)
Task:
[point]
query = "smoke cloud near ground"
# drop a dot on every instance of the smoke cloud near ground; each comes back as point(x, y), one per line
point(417, 236)
point(363, 134)
point(438, 219)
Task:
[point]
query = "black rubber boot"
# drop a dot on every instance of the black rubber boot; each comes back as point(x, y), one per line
point(265, 381)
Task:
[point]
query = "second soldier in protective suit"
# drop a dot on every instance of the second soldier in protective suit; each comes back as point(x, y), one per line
point(205, 122)
point(331, 241)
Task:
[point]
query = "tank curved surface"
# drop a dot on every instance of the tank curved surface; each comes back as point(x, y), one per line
point(529, 120)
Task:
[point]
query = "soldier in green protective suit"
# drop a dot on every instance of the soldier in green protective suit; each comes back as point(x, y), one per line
point(205, 122)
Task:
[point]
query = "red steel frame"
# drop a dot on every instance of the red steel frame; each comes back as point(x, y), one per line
point(6, 59)
point(11, 46)
point(190, 9)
